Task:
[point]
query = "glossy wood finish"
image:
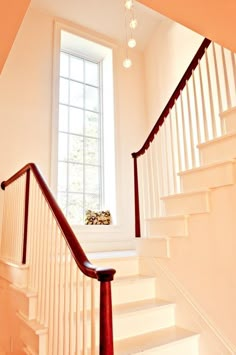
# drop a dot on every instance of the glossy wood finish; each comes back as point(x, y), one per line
point(27, 189)
point(104, 275)
point(201, 51)
point(106, 330)
point(81, 260)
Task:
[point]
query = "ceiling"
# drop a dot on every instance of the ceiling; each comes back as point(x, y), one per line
point(215, 19)
point(103, 16)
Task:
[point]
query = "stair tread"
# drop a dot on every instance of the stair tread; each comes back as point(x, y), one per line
point(37, 327)
point(207, 166)
point(217, 139)
point(133, 278)
point(119, 254)
point(140, 305)
point(185, 194)
point(151, 340)
point(167, 218)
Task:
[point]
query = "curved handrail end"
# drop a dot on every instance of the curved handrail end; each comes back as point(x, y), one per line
point(3, 185)
point(105, 274)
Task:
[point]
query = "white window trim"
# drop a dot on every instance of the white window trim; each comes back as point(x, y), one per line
point(59, 26)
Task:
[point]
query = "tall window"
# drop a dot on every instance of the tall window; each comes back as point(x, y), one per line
point(79, 140)
point(84, 155)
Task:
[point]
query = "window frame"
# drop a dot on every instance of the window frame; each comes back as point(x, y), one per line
point(59, 27)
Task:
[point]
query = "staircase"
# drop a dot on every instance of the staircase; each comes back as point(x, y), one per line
point(143, 323)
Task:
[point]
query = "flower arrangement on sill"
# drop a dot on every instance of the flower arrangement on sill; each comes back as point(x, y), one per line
point(97, 217)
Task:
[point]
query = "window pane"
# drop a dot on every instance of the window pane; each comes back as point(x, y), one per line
point(76, 148)
point(92, 202)
point(76, 94)
point(92, 179)
point(62, 146)
point(63, 118)
point(76, 69)
point(75, 178)
point(91, 151)
point(75, 208)
point(62, 176)
point(76, 121)
point(64, 65)
point(91, 124)
point(91, 98)
point(64, 91)
point(91, 73)
point(62, 200)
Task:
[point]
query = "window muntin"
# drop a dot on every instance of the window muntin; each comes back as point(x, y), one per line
point(79, 137)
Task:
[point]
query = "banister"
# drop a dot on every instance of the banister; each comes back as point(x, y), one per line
point(205, 44)
point(101, 274)
point(192, 66)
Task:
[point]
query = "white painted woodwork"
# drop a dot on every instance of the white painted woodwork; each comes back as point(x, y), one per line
point(210, 176)
point(229, 118)
point(154, 247)
point(170, 341)
point(137, 319)
point(16, 274)
point(133, 289)
point(172, 226)
point(187, 203)
point(218, 149)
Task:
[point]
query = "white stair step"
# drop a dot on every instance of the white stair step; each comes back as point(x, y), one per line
point(229, 117)
point(16, 274)
point(172, 226)
point(208, 176)
point(218, 149)
point(170, 341)
point(154, 247)
point(33, 335)
point(133, 289)
point(26, 301)
point(135, 319)
point(187, 203)
point(125, 263)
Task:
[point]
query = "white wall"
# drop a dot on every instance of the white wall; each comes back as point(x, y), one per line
point(26, 109)
point(167, 56)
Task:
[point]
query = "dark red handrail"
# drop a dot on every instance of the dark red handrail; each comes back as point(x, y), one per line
point(104, 275)
point(187, 75)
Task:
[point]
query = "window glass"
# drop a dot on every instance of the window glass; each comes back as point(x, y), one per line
point(79, 141)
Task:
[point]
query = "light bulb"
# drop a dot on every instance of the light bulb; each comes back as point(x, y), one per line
point(131, 43)
point(133, 23)
point(127, 63)
point(128, 4)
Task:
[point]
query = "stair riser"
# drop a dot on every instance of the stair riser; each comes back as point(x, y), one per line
point(188, 204)
point(123, 267)
point(136, 323)
point(214, 176)
point(218, 150)
point(158, 248)
point(27, 305)
point(14, 274)
point(229, 118)
point(187, 346)
point(133, 291)
point(174, 227)
point(38, 343)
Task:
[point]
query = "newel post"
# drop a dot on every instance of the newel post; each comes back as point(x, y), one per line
point(136, 198)
point(27, 188)
point(106, 328)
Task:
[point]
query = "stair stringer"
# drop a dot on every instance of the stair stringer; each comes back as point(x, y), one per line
point(189, 314)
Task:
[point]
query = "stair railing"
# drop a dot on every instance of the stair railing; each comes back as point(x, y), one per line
point(36, 233)
point(190, 118)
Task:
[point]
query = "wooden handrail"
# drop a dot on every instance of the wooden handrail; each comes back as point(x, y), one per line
point(192, 66)
point(88, 269)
